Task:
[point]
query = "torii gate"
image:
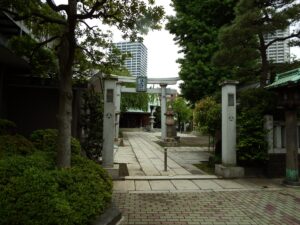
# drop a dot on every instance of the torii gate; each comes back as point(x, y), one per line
point(111, 116)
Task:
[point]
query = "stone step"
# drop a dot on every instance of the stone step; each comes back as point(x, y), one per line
point(177, 177)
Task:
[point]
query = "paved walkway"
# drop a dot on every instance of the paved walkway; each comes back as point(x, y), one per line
point(238, 207)
point(146, 158)
point(184, 195)
point(145, 162)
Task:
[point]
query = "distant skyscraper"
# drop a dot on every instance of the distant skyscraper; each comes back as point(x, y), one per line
point(137, 63)
point(279, 51)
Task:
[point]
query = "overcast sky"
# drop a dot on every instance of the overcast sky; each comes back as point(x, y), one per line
point(162, 51)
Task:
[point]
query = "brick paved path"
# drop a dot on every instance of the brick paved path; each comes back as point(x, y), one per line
point(234, 207)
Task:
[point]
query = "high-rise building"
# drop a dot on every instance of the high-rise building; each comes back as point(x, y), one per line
point(278, 52)
point(137, 63)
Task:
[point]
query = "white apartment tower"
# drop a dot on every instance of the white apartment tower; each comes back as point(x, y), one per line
point(278, 52)
point(137, 63)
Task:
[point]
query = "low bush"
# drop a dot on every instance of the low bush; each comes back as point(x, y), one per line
point(46, 140)
point(207, 116)
point(14, 166)
point(90, 166)
point(15, 144)
point(7, 127)
point(35, 193)
point(252, 147)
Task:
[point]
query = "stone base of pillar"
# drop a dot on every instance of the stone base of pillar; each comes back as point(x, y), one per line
point(119, 141)
point(113, 171)
point(229, 171)
point(171, 142)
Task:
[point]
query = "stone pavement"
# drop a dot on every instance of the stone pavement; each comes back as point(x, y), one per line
point(192, 184)
point(146, 158)
point(150, 195)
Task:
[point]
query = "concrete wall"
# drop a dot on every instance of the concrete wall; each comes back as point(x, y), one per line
point(32, 108)
point(36, 107)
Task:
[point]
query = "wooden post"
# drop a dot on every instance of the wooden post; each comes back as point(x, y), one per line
point(1, 92)
point(292, 170)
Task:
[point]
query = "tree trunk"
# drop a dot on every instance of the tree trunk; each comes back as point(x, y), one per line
point(66, 58)
point(265, 73)
point(64, 111)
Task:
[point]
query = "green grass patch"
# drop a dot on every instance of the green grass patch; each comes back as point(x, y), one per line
point(206, 167)
point(187, 142)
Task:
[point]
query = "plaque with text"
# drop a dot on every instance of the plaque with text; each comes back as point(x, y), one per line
point(110, 95)
point(230, 99)
point(141, 84)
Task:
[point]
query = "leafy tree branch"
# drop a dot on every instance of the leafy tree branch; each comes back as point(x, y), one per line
point(133, 18)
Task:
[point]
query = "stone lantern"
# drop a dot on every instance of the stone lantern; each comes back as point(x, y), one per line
point(287, 86)
point(170, 122)
point(152, 117)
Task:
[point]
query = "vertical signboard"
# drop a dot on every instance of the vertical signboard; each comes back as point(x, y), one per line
point(141, 84)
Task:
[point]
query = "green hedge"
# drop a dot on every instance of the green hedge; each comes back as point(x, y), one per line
point(7, 127)
point(46, 140)
point(15, 144)
point(33, 192)
point(14, 166)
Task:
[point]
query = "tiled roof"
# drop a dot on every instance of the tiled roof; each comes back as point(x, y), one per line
point(291, 77)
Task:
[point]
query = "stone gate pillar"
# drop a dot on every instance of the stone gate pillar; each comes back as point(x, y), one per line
point(228, 168)
point(229, 122)
point(109, 123)
point(117, 107)
point(268, 126)
point(163, 111)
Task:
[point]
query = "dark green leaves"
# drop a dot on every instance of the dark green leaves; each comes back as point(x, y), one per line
point(196, 27)
point(243, 44)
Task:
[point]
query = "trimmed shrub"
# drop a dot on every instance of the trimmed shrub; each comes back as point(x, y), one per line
point(87, 165)
point(14, 166)
point(15, 144)
point(39, 195)
point(7, 127)
point(46, 140)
